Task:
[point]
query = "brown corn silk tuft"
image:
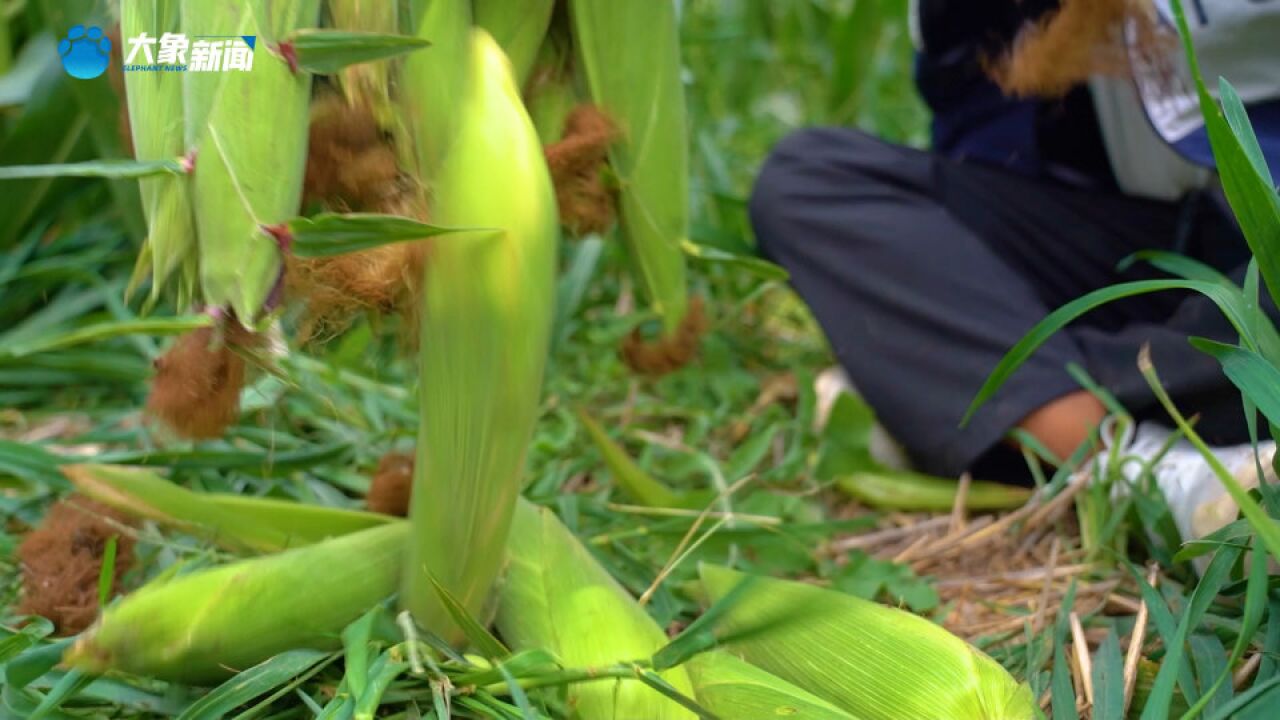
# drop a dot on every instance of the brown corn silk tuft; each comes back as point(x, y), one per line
point(665, 355)
point(196, 388)
point(62, 561)
point(577, 162)
point(351, 166)
point(392, 482)
point(336, 289)
point(348, 159)
point(1082, 39)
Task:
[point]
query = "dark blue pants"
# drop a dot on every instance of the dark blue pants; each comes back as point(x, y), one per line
point(923, 271)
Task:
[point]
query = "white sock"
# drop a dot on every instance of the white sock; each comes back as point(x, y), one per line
point(1197, 499)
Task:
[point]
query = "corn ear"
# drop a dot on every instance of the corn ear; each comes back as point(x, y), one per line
point(203, 626)
point(556, 596)
point(431, 83)
point(250, 130)
point(730, 687)
point(155, 115)
point(518, 26)
point(488, 304)
point(904, 490)
point(638, 85)
point(872, 661)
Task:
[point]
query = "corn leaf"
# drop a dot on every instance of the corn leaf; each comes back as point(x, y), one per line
point(325, 52)
point(638, 85)
point(234, 521)
point(117, 169)
point(757, 266)
point(331, 234)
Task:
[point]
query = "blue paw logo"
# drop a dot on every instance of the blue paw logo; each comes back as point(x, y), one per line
point(85, 53)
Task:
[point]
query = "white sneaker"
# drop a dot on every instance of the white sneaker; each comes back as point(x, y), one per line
point(1197, 499)
point(827, 388)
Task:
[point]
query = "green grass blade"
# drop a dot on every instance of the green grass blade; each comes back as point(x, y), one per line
point(1245, 179)
point(251, 683)
point(1257, 378)
point(1108, 680)
point(1161, 697)
point(627, 474)
point(1059, 319)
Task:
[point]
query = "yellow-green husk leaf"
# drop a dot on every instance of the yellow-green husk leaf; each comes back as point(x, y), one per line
point(206, 625)
point(235, 522)
point(431, 83)
point(638, 85)
point(518, 26)
point(155, 116)
point(872, 661)
point(488, 302)
point(251, 156)
point(549, 92)
point(555, 596)
point(367, 82)
point(731, 687)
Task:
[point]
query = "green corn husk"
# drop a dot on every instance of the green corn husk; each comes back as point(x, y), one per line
point(488, 304)
point(872, 661)
point(367, 82)
point(251, 141)
point(518, 26)
point(204, 626)
point(235, 522)
point(155, 115)
point(556, 596)
point(638, 85)
point(903, 490)
point(431, 83)
point(549, 92)
point(731, 687)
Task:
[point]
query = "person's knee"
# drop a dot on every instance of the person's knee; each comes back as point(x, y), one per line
point(806, 164)
point(780, 183)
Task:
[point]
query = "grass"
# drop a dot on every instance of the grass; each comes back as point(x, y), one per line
point(1041, 588)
